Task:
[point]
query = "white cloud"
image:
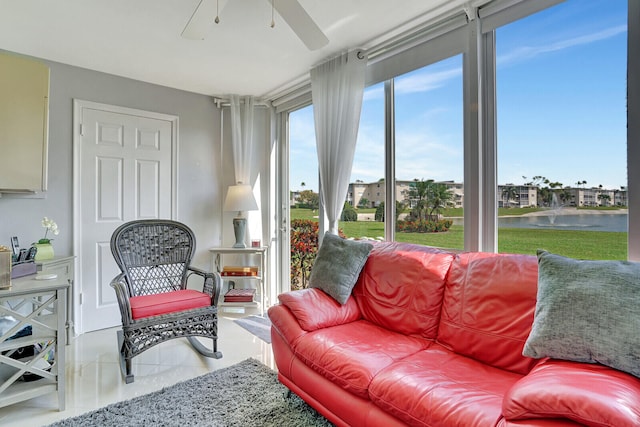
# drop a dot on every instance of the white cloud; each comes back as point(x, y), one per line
point(421, 81)
point(425, 81)
point(423, 154)
point(528, 52)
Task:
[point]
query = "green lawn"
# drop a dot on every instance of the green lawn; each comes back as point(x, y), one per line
point(575, 244)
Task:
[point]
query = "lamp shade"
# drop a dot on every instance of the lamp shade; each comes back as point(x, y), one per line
point(240, 198)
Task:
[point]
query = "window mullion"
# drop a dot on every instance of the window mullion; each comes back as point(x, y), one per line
point(473, 182)
point(390, 162)
point(487, 79)
point(633, 129)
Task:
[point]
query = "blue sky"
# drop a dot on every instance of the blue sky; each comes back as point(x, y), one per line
point(561, 77)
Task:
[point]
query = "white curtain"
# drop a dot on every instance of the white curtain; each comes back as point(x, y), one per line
point(337, 87)
point(242, 136)
point(242, 142)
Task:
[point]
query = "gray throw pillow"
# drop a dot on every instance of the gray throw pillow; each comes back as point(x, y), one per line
point(587, 311)
point(338, 265)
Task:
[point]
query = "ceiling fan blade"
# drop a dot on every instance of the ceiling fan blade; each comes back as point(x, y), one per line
point(201, 21)
point(301, 23)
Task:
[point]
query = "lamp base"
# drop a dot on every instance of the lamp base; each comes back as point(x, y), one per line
point(239, 228)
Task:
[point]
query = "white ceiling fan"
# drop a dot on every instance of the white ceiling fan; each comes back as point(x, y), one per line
point(290, 10)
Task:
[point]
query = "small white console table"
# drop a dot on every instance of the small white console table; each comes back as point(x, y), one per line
point(40, 304)
point(261, 252)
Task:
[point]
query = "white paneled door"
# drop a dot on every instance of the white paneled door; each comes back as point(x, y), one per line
point(125, 171)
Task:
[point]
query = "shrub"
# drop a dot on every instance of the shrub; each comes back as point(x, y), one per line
point(379, 215)
point(422, 226)
point(304, 247)
point(349, 214)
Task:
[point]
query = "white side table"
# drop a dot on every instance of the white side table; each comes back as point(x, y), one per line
point(216, 264)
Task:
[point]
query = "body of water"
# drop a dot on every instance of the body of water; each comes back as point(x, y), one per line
point(586, 222)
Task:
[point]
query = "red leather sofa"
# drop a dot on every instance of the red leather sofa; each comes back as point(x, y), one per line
point(435, 338)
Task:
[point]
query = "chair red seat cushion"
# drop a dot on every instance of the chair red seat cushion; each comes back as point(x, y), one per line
point(167, 302)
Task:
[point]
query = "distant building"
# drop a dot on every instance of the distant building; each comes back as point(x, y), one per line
point(525, 196)
point(374, 193)
point(598, 197)
point(457, 188)
point(620, 198)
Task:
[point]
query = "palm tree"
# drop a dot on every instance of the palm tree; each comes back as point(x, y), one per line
point(509, 193)
point(419, 192)
point(545, 195)
point(604, 199)
point(439, 198)
point(565, 195)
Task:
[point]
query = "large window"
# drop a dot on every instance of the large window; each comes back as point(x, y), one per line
point(303, 160)
point(561, 110)
point(429, 154)
point(366, 195)
point(303, 195)
point(556, 177)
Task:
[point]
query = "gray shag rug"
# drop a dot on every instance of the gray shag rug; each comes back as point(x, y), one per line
point(245, 394)
point(259, 326)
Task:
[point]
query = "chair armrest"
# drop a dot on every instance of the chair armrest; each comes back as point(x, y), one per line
point(590, 394)
point(198, 271)
point(314, 309)
point(212, 283)
point(119, 284)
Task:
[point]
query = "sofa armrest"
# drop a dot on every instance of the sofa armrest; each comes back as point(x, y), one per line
point(590, 394)
point(314, 309)
point(285, 324)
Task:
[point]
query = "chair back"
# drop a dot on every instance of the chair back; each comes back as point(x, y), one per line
point(153, 255)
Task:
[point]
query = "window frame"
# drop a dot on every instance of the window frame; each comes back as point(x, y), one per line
point(472, 33)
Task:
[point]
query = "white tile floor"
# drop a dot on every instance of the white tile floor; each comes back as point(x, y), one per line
point(94, 379)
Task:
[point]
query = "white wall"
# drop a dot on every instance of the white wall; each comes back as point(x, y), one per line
point(199, 167)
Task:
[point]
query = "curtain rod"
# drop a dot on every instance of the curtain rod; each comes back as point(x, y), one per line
point(225, 102)
point(384, 46)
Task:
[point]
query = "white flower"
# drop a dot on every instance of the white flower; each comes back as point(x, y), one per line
point(50, 226)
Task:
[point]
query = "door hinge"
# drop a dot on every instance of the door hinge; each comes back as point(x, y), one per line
point(80, 298)
point(81, 129)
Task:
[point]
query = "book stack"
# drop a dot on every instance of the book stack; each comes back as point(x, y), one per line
point(239, 295)
point(231, 270)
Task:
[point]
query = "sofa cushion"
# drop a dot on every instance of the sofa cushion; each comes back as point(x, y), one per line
point(337, 266)
point(167, 302)
point(401, 287)
point(589, 394)
point(437, 387)
point(351, 355)
point(488, 308)
point(587, 311)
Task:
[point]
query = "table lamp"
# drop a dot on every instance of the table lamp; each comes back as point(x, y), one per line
point(240, 198)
